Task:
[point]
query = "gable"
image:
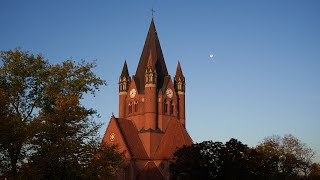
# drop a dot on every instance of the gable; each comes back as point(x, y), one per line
point(133, 84)
point(126, 136)
point(113, 130)
point(168, 84)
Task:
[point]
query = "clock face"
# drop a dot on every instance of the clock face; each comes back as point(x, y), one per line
point(133, 93)
point(169, 93)
point(112, 136)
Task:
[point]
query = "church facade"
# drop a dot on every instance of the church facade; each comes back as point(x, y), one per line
point(152, 121)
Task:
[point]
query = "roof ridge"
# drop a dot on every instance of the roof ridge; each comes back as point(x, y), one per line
point(133, 151)
point(161, 139)
point(124, 139)
point(181, 131)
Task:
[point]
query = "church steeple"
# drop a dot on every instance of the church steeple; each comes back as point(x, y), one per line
point(179, 80)
point(151, 46)
point(124, 79)
point(180, 87)
point(124, 82)
point(125, 72)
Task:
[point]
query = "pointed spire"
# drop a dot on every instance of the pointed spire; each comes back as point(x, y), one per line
point(125, 72)
point(151, 46)
point(124, 79)
point(179, 81)
point(179, 71)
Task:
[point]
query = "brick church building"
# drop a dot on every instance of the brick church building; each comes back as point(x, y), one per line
point(152, 121)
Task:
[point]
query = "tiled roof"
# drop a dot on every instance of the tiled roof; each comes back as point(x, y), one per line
point(132, 139)
point(175, 136)
point(150, 171)
point(150, 63)
point(151, 45)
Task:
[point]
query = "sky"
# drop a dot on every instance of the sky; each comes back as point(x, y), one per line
point(263, 78)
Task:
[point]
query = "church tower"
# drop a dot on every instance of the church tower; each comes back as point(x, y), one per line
point(179, 86)
point(151, 123)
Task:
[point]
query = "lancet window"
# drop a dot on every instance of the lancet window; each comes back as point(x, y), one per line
point(130, 107)
point(136, 106)
point(165, 104)
point(171, 107)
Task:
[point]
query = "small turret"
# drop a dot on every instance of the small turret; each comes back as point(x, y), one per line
point(179, 80)
point(151, 73)
point(180, 87)
point(124, 82)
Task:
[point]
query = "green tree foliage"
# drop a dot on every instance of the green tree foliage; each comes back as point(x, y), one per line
point(45, 131)
point(22, 81)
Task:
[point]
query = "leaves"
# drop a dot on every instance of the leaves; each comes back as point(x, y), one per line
point(274, 158)
point(214, 160)
point(45, 131)
point(287, 156)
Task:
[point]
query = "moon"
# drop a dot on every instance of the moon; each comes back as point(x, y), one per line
point(211, 56)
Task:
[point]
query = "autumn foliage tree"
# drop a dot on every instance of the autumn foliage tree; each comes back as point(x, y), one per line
point(22, 82)
point(285, 156)
point(45, 131)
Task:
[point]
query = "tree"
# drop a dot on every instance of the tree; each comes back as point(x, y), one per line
point(45, 131)
point(285, 156)
point(314, 171)
point(5, 115)
point(107, 163)
point(197, 160)
point(22, 81)
point(215, 160)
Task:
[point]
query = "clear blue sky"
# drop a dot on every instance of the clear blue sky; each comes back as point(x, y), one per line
point(264, 78)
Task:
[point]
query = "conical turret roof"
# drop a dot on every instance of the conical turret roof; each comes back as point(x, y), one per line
point(179, 72)
point(125, 72)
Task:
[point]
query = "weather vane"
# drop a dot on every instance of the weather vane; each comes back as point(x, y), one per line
point(152, 12)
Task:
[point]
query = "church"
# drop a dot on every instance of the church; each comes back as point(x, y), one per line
point(152, 117)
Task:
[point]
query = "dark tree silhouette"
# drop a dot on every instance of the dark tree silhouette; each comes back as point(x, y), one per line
point(215, 160)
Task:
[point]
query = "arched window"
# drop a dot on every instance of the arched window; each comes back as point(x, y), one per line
point(165, 106)
point(171, 107)
point(136, 106)
point(130, 107)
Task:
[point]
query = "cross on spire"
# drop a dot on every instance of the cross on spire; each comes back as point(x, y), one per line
point(152, 12)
